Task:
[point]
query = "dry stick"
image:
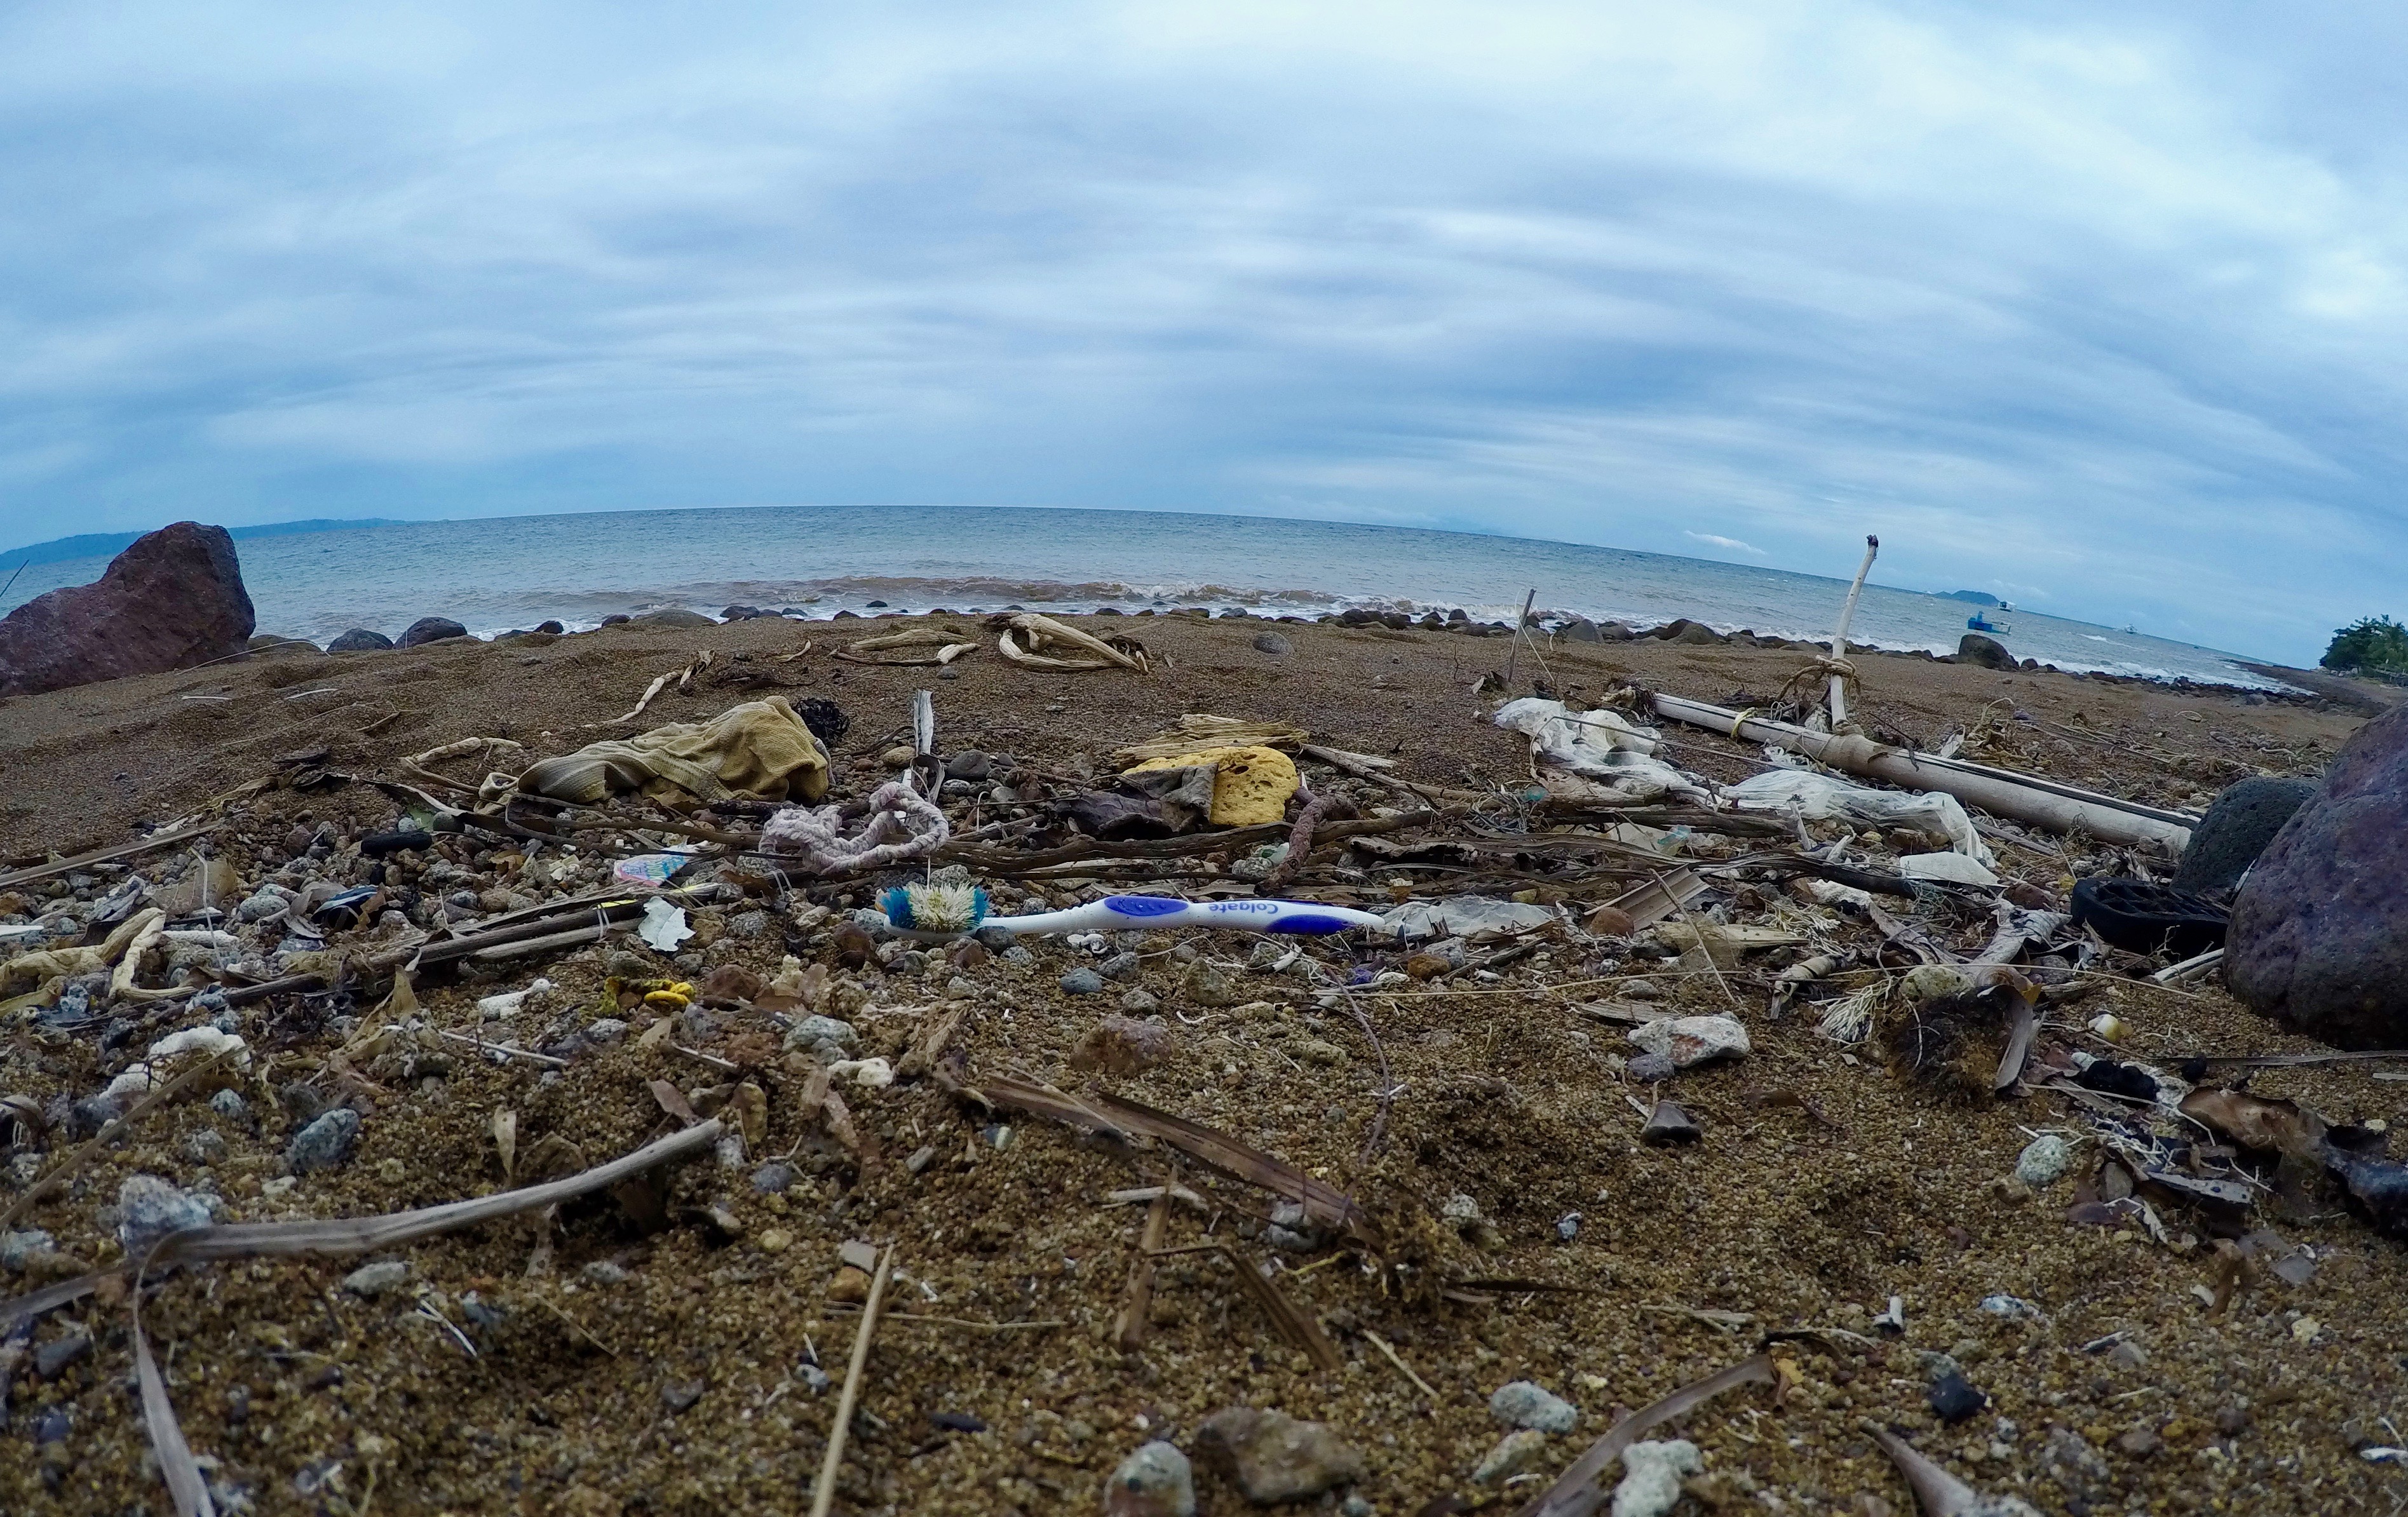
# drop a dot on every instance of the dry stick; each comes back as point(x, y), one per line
point(1700, 933)
point(1514, 652)
point(1387, 1080)
point(1137, 1300)
point(1407, 1371)
point(823, 1494)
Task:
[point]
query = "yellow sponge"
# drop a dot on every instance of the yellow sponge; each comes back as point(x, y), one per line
point(1249, 785)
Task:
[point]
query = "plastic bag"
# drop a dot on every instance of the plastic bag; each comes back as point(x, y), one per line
point(1601, 746)
point(1817, 796)
point(1477, 918)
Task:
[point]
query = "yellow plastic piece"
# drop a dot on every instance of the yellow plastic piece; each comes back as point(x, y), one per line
point(1249, 785)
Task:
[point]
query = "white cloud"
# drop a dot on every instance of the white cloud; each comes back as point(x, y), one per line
point(1729, 545)
point(2114, 306)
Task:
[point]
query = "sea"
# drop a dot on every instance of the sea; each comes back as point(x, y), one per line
point(500, 573)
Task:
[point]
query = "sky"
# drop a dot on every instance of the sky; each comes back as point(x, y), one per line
point(2103, 310)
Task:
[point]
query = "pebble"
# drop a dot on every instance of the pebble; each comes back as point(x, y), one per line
point(1209, 985)
point(2042, 1161)
point(1120, 1045)
point(775, 1240)
point(606, 1272)
point(1651, 1481)
point(748, 923)
point(1669, 1123)
point(1143, 1003)
point(606, 1032)
point(1155, 1480)
point(1082, 981)
point(1527, 1404)
point(377, 1279)
point(54, 1357)
point(205, 1146)
point(774, 1178)
point(1273, 1458)
point(1688, 1041)
point(813, 1377)
point(231, 1105)
point(16, 1248)
point(1119, 967)
point(1568, 1226)
point(814, 1032)
point(1954, 1398)
point(1516, 1453)
point(1651, 1068)
point(148, 1209)
point(325, 1143)
point(1274, 644)
point(681, 1395)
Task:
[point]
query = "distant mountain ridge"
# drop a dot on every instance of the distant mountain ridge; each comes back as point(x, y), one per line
point(1970, 597)
point(108, 544)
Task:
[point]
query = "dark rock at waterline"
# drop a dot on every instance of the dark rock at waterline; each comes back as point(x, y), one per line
point(358, 640)
point(553, 627)
point(1683, 630)
point(2236, 830)
point(674, 616)
point(617, 619)
point(1988, 653)
point(1581, 630)
point(173, 599)
point(2320, 932)
point(1274, 644)
point(430, 629)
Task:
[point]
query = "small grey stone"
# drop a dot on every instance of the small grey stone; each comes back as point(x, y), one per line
point(205, 1146)
point(997, 938)
point(1954, 1398)
point(231, 1105)
point(2042, 1161)
point(87, 1117)
point(378, 1278)
point(809, 1034)
point(1141, 1003)
point(606, 1272)
point(606, 1032)
point(1568, 1226)
point(1669, 1123)
point(1274, 1457)
point(53, 1357)
point(774, 1178)
point(1155, 1480)
point(16, 1248)
point(1019, 955)
point(1651, 1068)
point(1526, 1403)
point(1082, 981)
point(1650, 1480)
point(1119, 967)
point(748, 923)
point(1209, 985)
point(813, 1377)
point(261, 907)
point(680, 1396)
point(1274, 644)
point(325, 1143)
point(148, 1209)
point(1515, 1454)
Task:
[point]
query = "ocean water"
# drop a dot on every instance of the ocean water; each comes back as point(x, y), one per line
point(494, 575)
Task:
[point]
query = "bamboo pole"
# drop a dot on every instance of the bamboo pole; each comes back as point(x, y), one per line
point(2043, 803)
point(1838, 700)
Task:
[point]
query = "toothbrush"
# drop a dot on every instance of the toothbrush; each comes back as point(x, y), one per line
point(934, 912)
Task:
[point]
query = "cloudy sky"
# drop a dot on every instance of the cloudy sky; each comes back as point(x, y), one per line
point(2105, 312)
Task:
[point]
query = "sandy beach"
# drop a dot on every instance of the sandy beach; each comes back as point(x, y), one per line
point(597, 1366)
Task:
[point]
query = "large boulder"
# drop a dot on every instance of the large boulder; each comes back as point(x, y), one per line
point(173, 599)
point(430, 629)
point(2236, 830)
point(2319, 933)
point(358, 640)
point(1988, 653)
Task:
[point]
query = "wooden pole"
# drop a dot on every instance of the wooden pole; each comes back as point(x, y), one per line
point(1838, 700)
point(1515, 651)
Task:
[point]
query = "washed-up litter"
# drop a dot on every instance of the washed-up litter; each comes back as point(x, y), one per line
point(1817, 797)
point(759, 749)
point(935, 912)
point(1472, 918)
point(1249, 785)
point(1601, 746)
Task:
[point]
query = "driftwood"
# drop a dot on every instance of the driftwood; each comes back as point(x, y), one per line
point(2043, 803)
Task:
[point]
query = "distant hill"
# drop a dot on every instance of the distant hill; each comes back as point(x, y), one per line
point(108, 544)
point(1970, 597)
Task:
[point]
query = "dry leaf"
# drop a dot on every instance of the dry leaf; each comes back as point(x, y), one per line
point(506, 1137)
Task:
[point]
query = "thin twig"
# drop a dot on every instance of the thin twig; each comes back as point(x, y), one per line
point(1403, 1369)
point(1387, 1080)
point(824, 1494)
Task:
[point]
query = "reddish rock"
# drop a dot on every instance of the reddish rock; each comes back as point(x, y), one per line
point(2319, 933)
point(171, 600)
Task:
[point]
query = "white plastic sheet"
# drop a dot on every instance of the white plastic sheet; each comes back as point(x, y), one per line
point(1601, 746)
point(1818, 796)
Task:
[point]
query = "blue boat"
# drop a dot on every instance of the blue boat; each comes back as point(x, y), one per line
point(1978, 622)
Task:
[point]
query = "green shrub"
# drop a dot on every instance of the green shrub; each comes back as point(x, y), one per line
point(2374, 643)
